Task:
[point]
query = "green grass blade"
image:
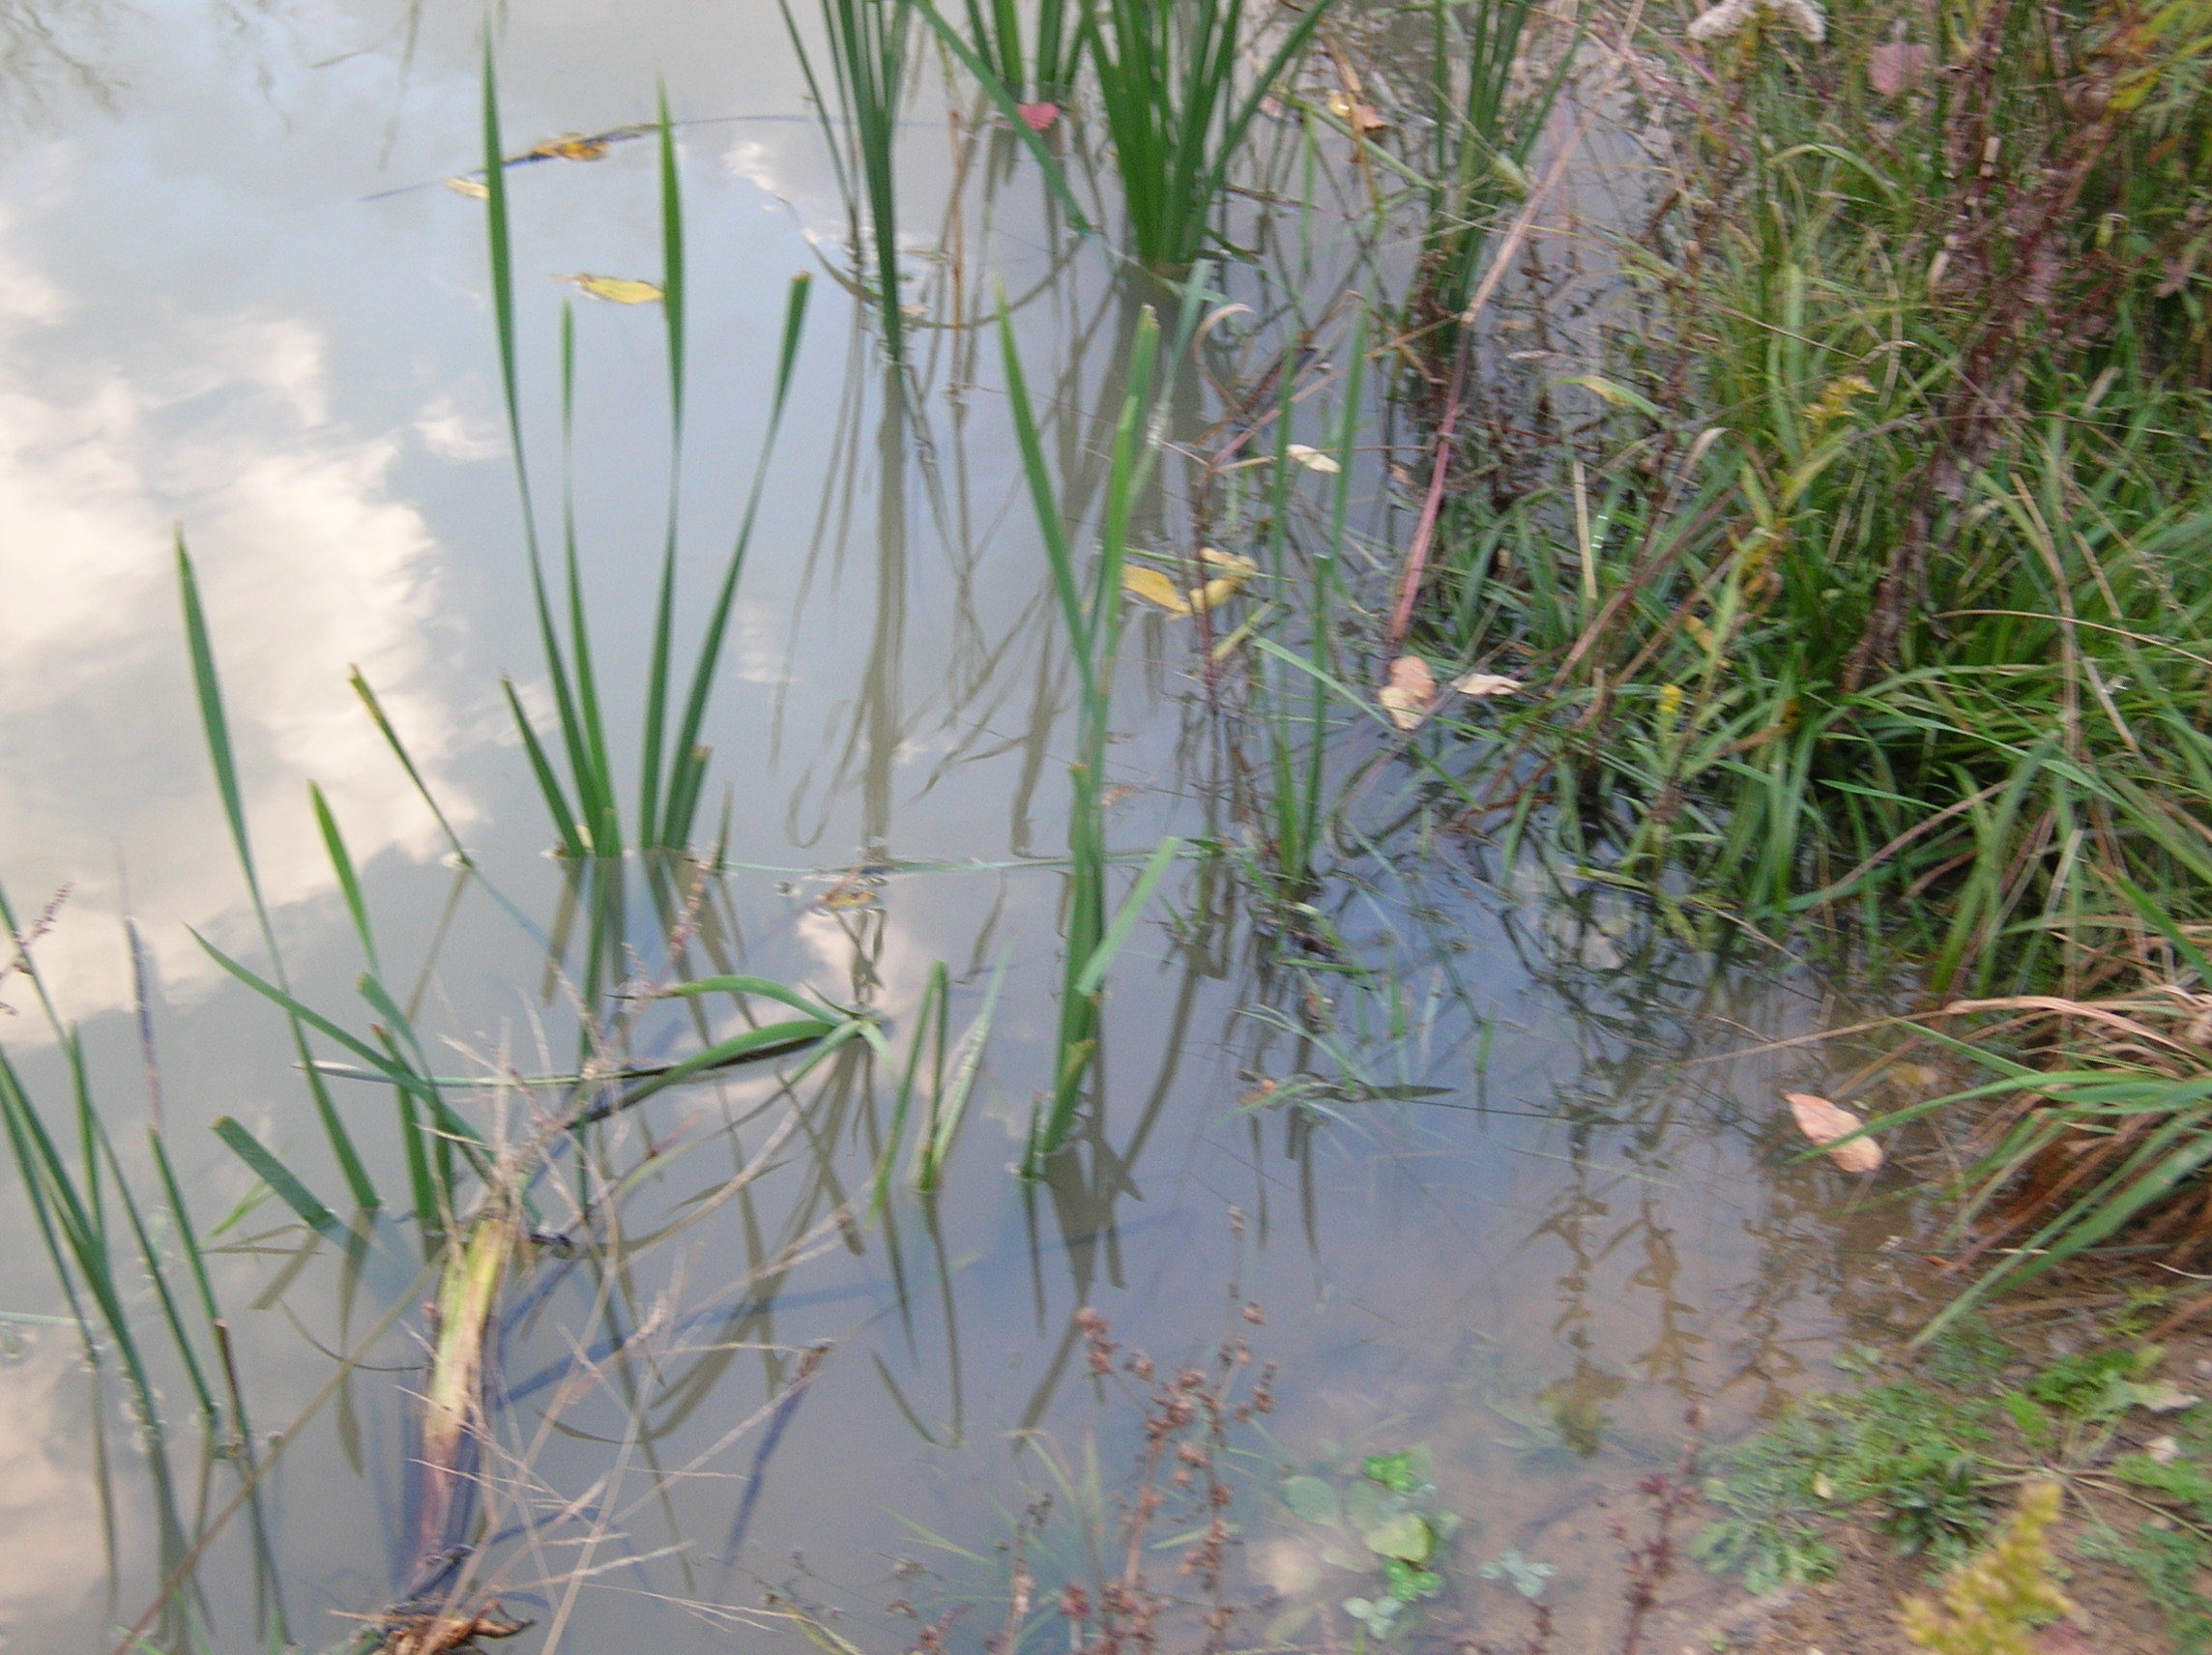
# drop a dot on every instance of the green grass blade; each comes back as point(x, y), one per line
point(407, 763)
point(280, 1179)
point(1132, 909)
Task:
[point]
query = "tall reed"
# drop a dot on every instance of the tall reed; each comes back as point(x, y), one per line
point(869, 45)
point(1482, 130)
point(672, 763)
point(1043, 65)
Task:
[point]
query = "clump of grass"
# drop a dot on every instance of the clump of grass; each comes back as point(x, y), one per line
point(1867, 597)
point(1040, 62)
point(1483, 124)
point(869, 40)
point(1175, 113)
point(2095, 1129)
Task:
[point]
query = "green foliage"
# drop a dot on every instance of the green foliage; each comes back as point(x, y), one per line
point(2093, 1382)
point(1966, 1352)
point(1904, 1449)
point(2183, 1482)
point(869, 42)
point(2168, 1562)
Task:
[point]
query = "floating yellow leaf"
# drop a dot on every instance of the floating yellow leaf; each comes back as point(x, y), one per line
point(1154, 586)
point(474, 188)
point(1823, 1124)
point(570, 146)
point(1483, 684)
point(617, 289)
point(1214, 592)
point(1313, 459)
point(1411, 692)
point(1235, 572)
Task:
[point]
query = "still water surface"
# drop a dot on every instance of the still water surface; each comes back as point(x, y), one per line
point(1509, 1218)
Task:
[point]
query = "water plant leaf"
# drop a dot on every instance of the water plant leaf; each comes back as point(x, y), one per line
point(617, 289)
point(1527, 1577)
point(1312, 1499)
point(1312, 459)
point(1481, 686)
point(1153, 587)
point(282, 1182)
point(1824, 1123)
point(1615, 395)
point(1410, 694)
point(1408, 1535)
point(764, 987)
point(1402, 1472)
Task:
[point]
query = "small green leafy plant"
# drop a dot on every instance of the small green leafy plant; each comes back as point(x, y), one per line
point(1386, 1520)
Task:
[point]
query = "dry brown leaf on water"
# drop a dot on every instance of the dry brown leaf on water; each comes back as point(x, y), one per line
point(1411, 692)
point(1893, 66)
point(1823, 1122)
point(616, 289)
point(1313, 459)
point(1154, 586)
point(1481, 686)
point(474, 188)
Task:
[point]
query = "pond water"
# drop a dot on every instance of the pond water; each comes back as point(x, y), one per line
point(1468, 1136)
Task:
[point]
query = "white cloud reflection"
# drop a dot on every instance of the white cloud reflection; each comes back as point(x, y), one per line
point(50, 1508)
point(308, 564)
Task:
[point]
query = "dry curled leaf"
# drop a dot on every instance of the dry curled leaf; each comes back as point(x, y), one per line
point(476, 188)
point(616, 289)
point(1823, 1122)
point(1312, 459)
point(1361, 117)
point(1483, 684)
point(1410, 694)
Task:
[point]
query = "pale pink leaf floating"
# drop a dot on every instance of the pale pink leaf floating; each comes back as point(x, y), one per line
point(1037, 117)
point(1893, 66)
point(1823, 1124)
